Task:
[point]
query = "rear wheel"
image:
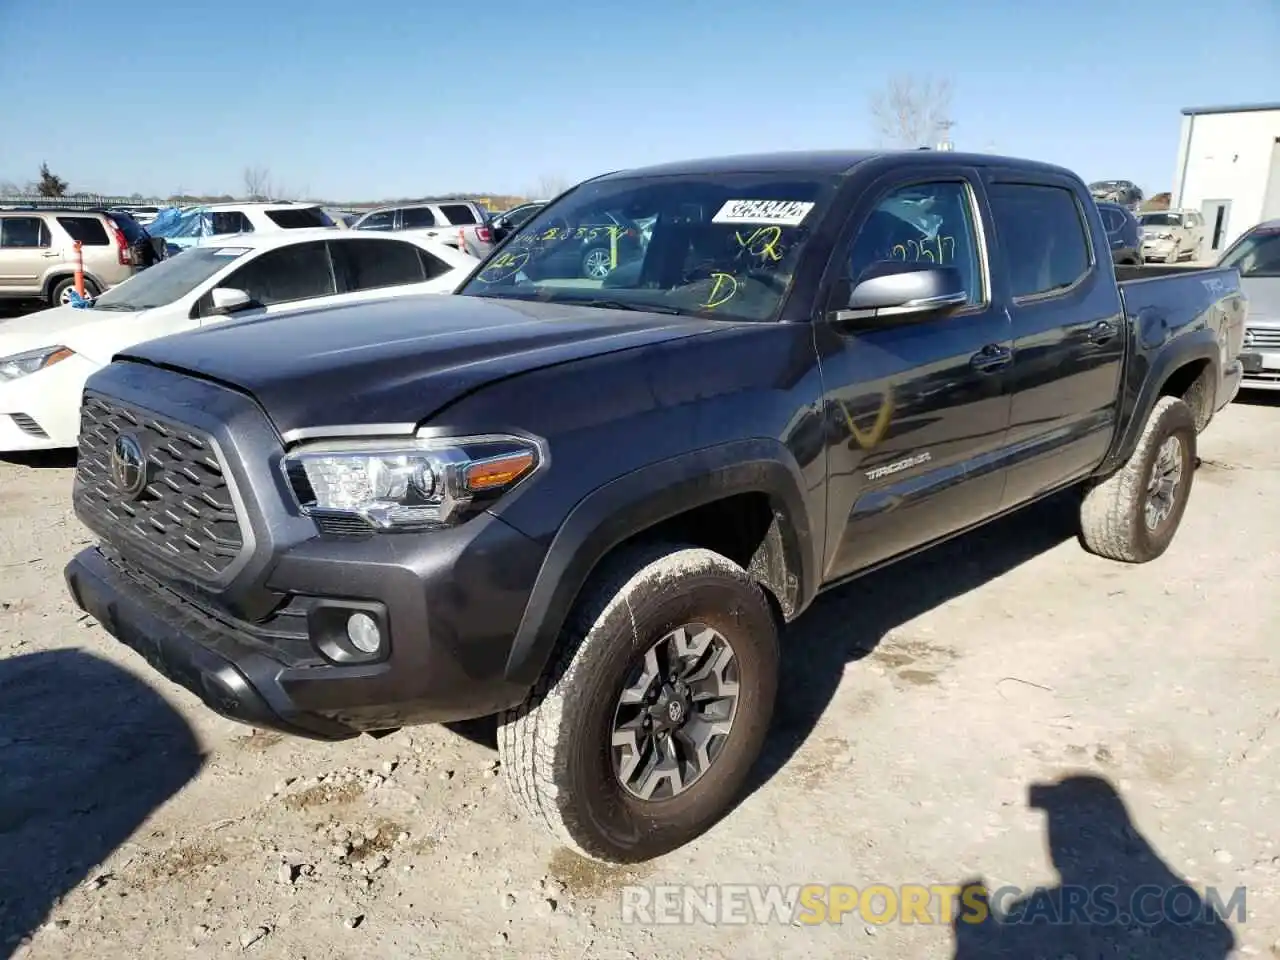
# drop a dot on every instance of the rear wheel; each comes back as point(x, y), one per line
point(647, 724)
point(1133, 514)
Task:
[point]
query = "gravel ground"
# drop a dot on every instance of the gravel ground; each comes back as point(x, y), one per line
point(918, 709)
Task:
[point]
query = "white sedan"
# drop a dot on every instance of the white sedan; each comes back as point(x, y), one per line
point(46, 357)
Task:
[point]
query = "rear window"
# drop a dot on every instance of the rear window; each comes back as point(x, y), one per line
point(370, 264)
point(1112, 219)
point(228, 221)
point(88, 230)
point(300, 217)
point(415, 217)
point(458, 213)
point(130, 227)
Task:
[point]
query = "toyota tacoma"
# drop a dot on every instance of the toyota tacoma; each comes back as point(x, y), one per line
point(589, 506)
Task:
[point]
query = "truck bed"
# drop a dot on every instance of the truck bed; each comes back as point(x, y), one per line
point(1162, 301)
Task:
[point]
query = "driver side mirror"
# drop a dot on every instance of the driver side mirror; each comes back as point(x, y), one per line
point(230, 300)
point(893, 291)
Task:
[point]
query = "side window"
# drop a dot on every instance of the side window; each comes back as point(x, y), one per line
point(88, 230)
point(370, 264)
point(296, 272)
point(417, 217)
point(1042, 236)
point(924, 223)
point(432, 265)
point(1113, 220)
point(382, 220)
point(21, 233)
point(229, 221)
point(458, 214)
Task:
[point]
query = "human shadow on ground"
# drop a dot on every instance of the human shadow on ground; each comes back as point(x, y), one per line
point(1116, 896)
point(88, 751)
point(848, 623)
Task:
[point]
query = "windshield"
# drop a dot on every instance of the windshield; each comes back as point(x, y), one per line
point(1256, 254)
point(721, 246)
point(168, 280)
point(1161, 220)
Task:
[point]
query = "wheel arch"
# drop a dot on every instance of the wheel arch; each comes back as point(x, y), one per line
point(1189, 368)
point(741, 499)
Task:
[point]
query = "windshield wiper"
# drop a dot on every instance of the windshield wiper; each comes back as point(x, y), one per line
point(623, 305)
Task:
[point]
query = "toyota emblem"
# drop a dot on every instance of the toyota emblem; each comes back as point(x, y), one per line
point(128, 467)
point(675, 711)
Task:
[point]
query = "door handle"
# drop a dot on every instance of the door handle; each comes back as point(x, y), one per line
point(990, 358)
point(1102, 331)
point(52, 253)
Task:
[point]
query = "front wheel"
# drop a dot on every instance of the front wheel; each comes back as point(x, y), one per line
point(1133, 514)
point(648, 722)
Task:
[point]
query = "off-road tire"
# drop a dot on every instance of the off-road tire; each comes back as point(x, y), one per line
point(1112, 520)
point(555, 748)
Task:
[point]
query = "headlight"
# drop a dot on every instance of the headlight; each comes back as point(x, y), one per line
point(1164, 236)
point(21, 364)
point(411, 484)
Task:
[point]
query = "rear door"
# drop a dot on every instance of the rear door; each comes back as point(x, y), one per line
point(27, 251)
point(1068, 330)
point(915, 412)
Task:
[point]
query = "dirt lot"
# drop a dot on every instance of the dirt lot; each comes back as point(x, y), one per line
point(918, 708)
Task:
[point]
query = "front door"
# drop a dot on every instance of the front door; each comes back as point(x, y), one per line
point(1068, 333)
point(913, 409)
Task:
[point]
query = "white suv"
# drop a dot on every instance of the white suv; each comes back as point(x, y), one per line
point(199, 225)
point(459, 223)
point(46, 357)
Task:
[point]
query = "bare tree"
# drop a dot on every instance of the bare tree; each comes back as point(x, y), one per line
point(912, 111)
point(257, 183)
point(549, 186)
point(8, 188)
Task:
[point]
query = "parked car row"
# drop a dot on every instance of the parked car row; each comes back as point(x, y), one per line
point(45, 357)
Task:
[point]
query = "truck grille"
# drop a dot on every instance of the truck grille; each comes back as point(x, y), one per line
point(1261, 338)
point(184, 513)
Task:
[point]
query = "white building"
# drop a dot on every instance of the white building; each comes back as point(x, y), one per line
point(1229, 169)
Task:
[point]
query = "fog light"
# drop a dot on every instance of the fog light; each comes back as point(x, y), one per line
point(362, 631)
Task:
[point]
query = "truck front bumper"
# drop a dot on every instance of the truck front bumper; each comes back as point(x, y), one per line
point(447, 642)
point(1261, 369)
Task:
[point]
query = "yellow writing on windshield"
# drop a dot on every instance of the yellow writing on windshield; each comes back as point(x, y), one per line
point(762, 242)
point(940, 249)
point(504, 265)
point(724, 286)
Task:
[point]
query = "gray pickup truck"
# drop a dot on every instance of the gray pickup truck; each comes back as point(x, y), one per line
point(590, 506)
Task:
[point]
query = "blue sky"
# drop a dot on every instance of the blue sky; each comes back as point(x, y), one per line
point(377, 98)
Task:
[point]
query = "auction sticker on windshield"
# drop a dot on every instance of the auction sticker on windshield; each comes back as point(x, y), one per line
point(782, 213)
point(230, 251)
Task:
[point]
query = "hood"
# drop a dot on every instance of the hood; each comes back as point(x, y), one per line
point(59, 327)
point(399, 361)
point(1264, 299)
